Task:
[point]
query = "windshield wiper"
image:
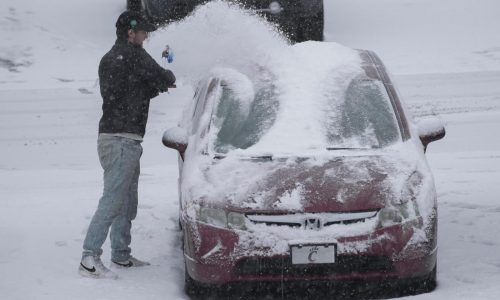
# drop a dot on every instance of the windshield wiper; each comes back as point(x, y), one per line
point(266, 157)
point(349, 148)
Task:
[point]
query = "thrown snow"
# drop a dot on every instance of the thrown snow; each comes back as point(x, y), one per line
point(209, 38)
point(239, 83)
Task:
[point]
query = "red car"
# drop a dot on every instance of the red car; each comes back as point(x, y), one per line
point(307, 171)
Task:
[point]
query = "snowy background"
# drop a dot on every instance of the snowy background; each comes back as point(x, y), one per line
point(444, 54)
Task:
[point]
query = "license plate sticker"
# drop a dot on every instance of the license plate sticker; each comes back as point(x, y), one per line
point(314, 254)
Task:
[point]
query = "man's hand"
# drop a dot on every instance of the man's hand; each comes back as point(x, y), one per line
point(172, 86)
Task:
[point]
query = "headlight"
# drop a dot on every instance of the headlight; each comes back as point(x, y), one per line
point(221, 218)
point(389, 216)
point(213, 216)
point(403, 208)
point(236, 220)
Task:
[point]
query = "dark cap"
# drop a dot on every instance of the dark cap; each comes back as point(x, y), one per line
point(133, 20)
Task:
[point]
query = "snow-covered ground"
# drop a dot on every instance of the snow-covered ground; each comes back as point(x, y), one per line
point(444, 54)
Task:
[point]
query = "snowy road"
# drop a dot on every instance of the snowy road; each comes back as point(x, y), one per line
point(50, 178)
point(50, 182)
point(451, 92)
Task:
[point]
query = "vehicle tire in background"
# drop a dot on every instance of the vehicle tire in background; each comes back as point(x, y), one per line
point(301, 28)
point(314, 27)
point(309, 28)
point(134, 5)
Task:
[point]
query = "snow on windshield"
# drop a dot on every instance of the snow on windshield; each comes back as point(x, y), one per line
point(239, 122)
point(317, 97)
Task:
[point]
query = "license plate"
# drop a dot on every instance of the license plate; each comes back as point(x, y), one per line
point(314, 253)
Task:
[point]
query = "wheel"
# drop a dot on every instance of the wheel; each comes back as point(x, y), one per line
point(197, 290)
point(314, 32)
point(430, 283)
point(134, 5)
point(191, 287)
point(306, 27)
point(424, 284)
point(311, 29)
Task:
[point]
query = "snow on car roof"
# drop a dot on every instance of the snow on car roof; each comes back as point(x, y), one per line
point(308, 74)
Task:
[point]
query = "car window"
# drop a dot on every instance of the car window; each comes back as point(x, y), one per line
point(241, 128)
point(366, 118)
point(196, 98)
point(202, 100)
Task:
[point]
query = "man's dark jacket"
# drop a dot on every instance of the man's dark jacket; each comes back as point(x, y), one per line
point(129, 77)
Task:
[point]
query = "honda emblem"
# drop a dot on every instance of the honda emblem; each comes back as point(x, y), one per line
point(312, 224)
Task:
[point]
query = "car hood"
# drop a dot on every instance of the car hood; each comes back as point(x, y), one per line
point(340, 184)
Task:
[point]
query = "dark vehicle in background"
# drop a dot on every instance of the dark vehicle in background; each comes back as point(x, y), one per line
point(368, 205)
point(300, 20)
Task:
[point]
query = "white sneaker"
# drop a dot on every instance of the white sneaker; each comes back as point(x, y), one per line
point(132, 262)
point(92, 266)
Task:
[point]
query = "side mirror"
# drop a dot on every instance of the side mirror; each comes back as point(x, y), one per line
point(430, 129)
point(176, 138)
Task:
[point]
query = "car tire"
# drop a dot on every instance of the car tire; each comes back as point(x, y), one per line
point(313, 28)
point(430, 283)
point(317, 27)
point(424, 284)
point(197, 290)
point(306, 28)
point(134, 5)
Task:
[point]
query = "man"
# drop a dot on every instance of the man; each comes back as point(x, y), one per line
point(129, 77)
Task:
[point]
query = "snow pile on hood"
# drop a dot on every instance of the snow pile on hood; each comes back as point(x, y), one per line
point(291, 199)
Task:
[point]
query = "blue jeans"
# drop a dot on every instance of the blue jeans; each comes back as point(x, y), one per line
point(117, 207)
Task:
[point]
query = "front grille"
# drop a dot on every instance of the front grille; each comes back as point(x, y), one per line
point(313, 220)
point(283, 265)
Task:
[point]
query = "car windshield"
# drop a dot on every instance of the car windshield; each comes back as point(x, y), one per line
point(240, 128)
point(364, 119)
point(360, 116)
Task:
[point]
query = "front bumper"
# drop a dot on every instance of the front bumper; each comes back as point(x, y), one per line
point(218, 256)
